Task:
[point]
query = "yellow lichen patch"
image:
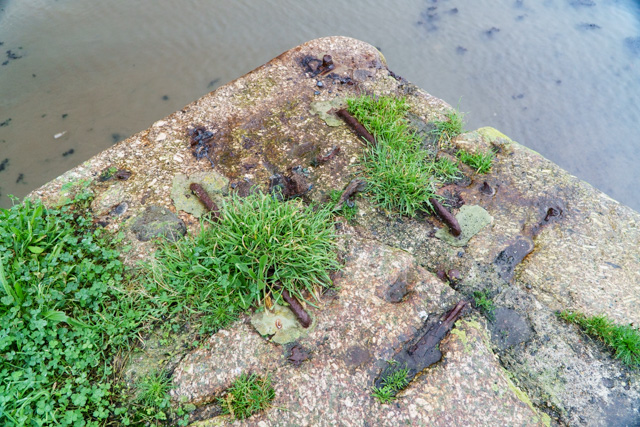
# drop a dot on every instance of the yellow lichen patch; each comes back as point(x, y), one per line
point(544, 418)
point(462, 336)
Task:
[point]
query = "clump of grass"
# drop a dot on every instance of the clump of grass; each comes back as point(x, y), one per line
point(391, 385)
point(259, 245)
point(247, 395)
point(152, 396)
point(482, 300)
point(481, 162)
point(399, 172)
point(446, 130)
point(623, 340)
point(447, 170)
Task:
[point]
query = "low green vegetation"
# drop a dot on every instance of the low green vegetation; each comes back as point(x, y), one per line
point(391, 385)
point(447, 170)
point(152, 396)
point(623, 340)
point(348, 212)
point(247, 395)
point(400, 173)
point(62, 316)
point(259, 246)
point(446, 130)
point(480, 162)
point(68, 309)
point(483, 302)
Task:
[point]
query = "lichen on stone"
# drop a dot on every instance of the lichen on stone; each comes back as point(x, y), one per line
point(472, 219)
point(212, 182)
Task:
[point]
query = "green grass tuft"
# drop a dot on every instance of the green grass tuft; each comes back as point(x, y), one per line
point(260, 243)
point(152, 396)
point(400, 174)
point(447, 170)
point(446, 130)
point(481, 162)
point(623, 340)
point(482, 300)
point(391, 385)
point(247, 395)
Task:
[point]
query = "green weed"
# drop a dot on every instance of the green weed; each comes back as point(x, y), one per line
point(447, 170)
point(399, 172)
point(481, 162)
point(482, 300)
point(446, 130)
point(623, 340)
point(57, 276)
point(152, 396)
point(391, 385)
point(259, 244)
point(247, 395)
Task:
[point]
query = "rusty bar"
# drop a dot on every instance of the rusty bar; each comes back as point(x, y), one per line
point(296, 307)
point(446, 217)
point(450, 318)
point(354, 186)
point(356, 125)
point(202, 195)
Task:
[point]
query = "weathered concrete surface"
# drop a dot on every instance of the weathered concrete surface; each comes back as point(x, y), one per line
point(358, 330)
point(554, 243)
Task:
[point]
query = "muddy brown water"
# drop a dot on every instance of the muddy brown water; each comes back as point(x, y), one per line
point(560, 76)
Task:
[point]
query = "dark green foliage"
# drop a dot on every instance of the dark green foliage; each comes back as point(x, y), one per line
point(152, 396)
point(623, 340)
point(349, 212)
point(57, 276)
point(391, 385)
point(247, 395)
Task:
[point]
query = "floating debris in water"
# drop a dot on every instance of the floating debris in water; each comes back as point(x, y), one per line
point(4, 164)
point(212, 83)
point(116, 137)
point(588, 26)
point(68, 152)
point(578, 3)
point(65, 115)
point(165, 97)
point(20, 178)
point(460, 50)
point(59, 135)
point(490, 32)
point(5, 123)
